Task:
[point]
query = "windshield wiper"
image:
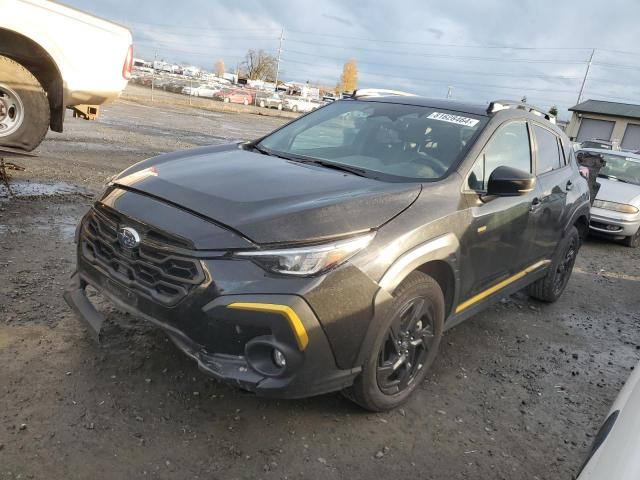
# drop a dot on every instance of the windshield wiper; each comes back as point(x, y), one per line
point(262, 150)
point(361, 172)
point(612, 177)
point(315, 161)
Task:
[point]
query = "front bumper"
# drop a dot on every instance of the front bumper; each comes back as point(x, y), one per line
point(613, 223)
point(309, 371)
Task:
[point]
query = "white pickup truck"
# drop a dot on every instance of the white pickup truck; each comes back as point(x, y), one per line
point(54, 57)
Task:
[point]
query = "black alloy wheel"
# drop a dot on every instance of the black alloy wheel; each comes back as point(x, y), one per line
point(565, 266)
point(406, 347)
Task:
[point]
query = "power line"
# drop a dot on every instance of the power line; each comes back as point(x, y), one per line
point(624, 52)
point(187, 52)
point(416, 67)
point(252, 35)
point(192, 27)
point(617, 65)
point(454, 45)
point(446, 56)
point(179, 44)
point(445, 82)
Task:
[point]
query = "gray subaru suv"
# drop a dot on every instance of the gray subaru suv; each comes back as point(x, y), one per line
point(332, 254)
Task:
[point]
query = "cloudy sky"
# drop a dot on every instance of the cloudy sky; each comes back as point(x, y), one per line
point(483, 49)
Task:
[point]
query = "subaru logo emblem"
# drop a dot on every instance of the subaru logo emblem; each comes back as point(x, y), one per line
point(128, 237)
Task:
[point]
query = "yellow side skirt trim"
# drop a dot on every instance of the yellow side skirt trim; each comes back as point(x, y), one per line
point(287, 312)
point(501, 285)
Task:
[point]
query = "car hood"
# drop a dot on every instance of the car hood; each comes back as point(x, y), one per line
point(268, 199)
point(619, 192)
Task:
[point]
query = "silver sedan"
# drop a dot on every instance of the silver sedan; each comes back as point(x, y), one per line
point(616, 210)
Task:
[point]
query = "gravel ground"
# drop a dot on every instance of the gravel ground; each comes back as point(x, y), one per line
point(517, 392)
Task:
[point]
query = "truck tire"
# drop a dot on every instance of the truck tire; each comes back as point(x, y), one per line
point(24, 108)
point(405, 346)
point(550, 287)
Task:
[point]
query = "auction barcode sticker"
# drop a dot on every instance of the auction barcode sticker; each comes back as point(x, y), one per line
point(447, 117)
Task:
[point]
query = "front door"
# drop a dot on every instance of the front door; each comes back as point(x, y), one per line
point(497, 242)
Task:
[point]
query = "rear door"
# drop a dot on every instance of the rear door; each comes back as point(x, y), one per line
point(497, 243)
point(555, 180)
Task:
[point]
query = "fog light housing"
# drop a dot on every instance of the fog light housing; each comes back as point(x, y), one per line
point(279, 359)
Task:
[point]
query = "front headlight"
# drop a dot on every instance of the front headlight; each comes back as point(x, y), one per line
point(616, 207)
point(308, 260)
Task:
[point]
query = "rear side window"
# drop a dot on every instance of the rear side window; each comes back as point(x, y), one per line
point(548, 153)
point(509, 147)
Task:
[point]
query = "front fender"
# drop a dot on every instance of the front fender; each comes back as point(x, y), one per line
point(444, 248)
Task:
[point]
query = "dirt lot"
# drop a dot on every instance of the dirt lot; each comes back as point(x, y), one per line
point(517, 391)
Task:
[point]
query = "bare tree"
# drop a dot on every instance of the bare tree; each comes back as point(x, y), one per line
point(259, 65)
point(349, 77)
point(219, 68)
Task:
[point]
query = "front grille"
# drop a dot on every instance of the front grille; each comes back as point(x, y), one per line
point(151, 269)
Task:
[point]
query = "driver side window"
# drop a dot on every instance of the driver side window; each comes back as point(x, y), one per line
point(508, 147)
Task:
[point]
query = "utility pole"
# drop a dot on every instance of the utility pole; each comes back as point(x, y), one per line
point(449, 91)
point(279, 53)
point(153, 75)
point(584, 80)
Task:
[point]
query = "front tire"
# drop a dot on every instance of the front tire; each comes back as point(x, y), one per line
point(405, 346)
point(550, 287)
point(632, 241)
point(24, 108)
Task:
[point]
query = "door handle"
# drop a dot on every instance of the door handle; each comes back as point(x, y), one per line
point(569, 185)
point(535, 204)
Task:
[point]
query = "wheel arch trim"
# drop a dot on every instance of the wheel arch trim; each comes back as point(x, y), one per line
point(439, 248)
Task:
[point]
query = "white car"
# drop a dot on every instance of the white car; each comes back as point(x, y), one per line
point(299, 104)
point(615, 452)
point(204, 91)
point(53, 57)
point(616, 209)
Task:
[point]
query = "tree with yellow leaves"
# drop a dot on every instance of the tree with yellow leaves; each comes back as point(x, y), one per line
point(349, 77)
point(219, 68)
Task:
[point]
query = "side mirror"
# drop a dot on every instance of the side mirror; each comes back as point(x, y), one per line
point(510, 182)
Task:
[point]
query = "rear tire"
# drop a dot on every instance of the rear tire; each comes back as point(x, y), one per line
point(632, 241)
point(24, 108)
point(405, 346)
point(550, 287)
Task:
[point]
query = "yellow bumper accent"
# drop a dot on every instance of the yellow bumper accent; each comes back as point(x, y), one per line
point(499, 286)
point(287, 312)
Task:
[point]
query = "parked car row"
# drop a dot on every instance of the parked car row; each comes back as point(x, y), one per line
point(228, 94)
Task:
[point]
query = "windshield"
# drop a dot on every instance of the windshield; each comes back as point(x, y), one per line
point(386, 140)
point(623, 168)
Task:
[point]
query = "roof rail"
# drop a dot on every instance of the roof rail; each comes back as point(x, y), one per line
point(498, 105)
point(379, 92)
